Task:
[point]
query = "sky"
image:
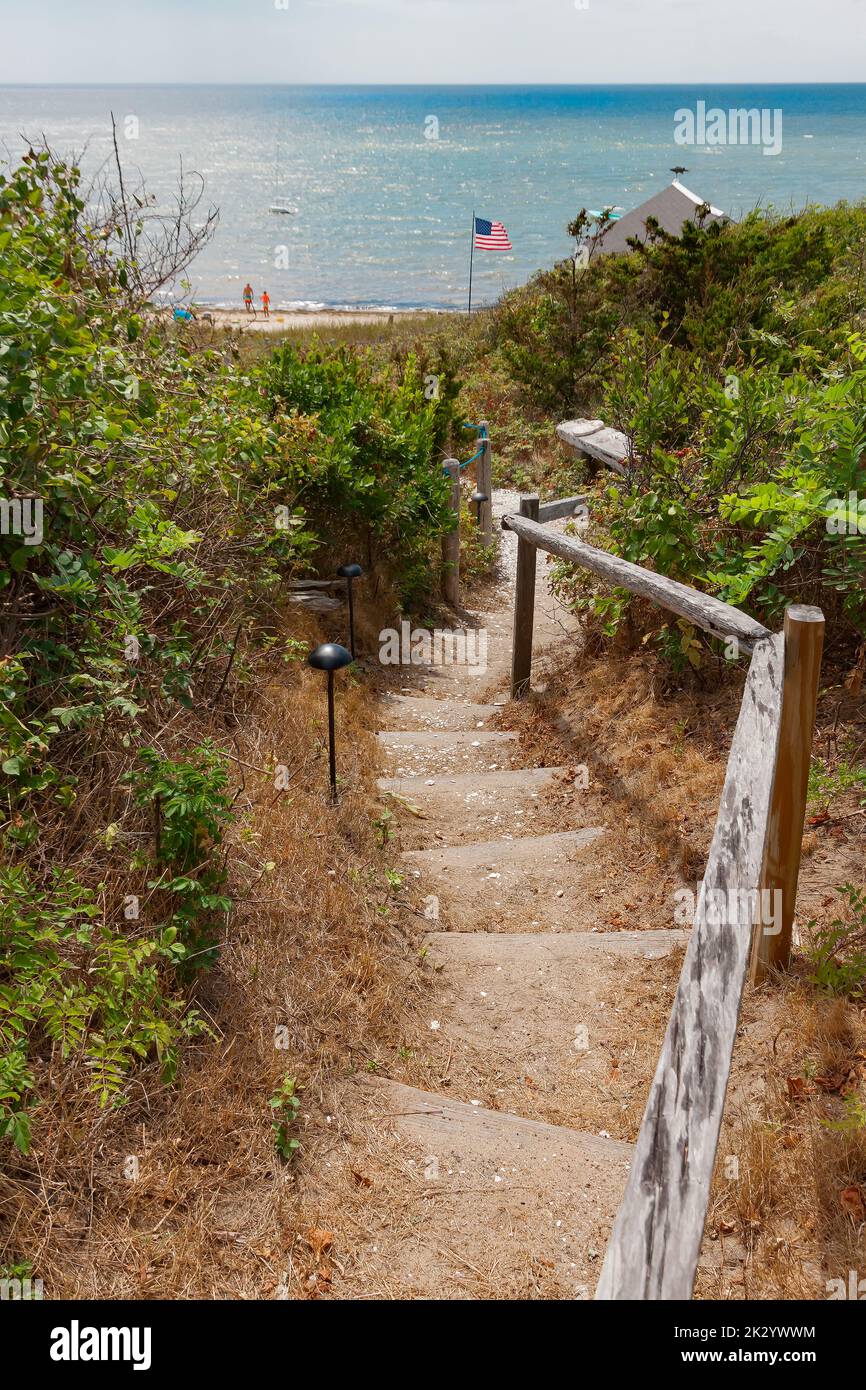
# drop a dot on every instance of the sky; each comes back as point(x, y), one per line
point(432, 41)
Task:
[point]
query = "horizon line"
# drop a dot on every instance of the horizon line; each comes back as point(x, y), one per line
point(473, 86)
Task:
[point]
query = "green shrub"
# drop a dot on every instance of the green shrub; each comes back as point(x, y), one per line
point(285, 1106)
point(769, 290)
point(826, 784)
point(180, 489)
point(370, 467)
point(74, 987)
point(734, 359)
point(838, 951)
point(189, 811)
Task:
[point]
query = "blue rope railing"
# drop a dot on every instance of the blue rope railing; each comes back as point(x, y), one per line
point(475, 456)
point(482, 435)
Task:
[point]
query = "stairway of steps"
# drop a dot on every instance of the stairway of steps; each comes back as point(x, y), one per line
point(483, 1203)
point(492, 1188)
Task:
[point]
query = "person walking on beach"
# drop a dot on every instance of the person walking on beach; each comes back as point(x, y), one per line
point(266, 304)
point(248, 298)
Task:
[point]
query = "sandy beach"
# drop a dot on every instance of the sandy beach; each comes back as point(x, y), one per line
point(281, 321)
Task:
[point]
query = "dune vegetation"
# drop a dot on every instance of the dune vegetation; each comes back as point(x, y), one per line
point(165, 822)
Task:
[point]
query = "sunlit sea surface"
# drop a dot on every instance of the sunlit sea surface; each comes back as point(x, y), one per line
point(383, 211)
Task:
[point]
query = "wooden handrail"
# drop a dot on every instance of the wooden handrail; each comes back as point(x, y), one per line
point(563, 506)
point(654, 1247)
point(524, 603)
point(804, 641)
point(718, 618)
point(753, 863)
point(451, 540)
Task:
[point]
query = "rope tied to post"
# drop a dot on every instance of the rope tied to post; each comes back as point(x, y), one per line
point(481, 431)
point(475, 456)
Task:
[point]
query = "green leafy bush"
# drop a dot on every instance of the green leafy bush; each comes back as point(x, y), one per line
point(179, 488)
point(189, 809)
point(768, 290)
point(285, 1106)
point(74, 988)
point(734, 360)
point(838, 951)
point(737, 492)
point(825, 784)
point(370, 465)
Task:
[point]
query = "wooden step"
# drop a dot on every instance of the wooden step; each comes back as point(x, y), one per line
point(544, 1025)
point(481, 1204)
point(424, 712)
point(425, 753)
point(464, 807)
point(436, 738)
point(529, 882)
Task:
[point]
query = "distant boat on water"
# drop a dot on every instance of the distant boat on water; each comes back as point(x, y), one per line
point(281, 206)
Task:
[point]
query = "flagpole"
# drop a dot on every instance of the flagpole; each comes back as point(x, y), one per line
point(471, 257)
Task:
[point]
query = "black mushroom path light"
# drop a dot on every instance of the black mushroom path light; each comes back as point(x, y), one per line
point(478, 498)
point(330, 657)
point(349, 573)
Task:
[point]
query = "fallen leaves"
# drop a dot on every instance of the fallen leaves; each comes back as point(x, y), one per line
point(843, 1081)
point(319, 1241)
point(851, 1201)
point(797, 1088)
point(319, 1280)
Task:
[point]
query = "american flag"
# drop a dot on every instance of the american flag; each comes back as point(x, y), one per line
point(491, 236)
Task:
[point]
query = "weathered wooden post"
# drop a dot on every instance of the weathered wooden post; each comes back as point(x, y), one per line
point(451, 541)
point(484, 480)
point(524, 605)
point(804, 640)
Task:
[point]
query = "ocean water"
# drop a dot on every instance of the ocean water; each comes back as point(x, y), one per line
point(384, 180)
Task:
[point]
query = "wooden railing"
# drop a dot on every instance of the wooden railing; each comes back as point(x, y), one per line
point(755, 852)
point(451, 539)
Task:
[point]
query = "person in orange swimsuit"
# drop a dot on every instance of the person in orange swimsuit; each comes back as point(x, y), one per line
point(266, 304)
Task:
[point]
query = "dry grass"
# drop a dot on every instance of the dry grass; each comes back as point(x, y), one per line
point(793, 1217)
point(789, 1184)
point(316, 946)
point(326, 948)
